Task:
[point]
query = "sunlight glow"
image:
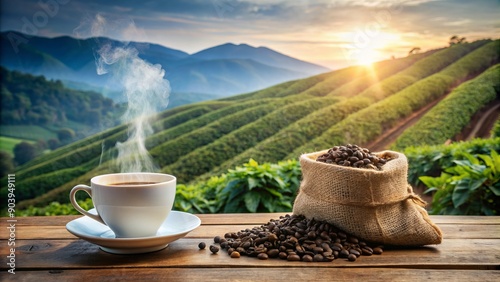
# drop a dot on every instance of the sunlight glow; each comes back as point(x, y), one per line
point(367, 48)
point(366, 57)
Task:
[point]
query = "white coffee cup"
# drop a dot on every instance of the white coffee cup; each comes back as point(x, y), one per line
point(131, 204)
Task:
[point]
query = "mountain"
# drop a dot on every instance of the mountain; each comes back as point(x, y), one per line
point(220, 71)
point(242, 74)
point(262, 55)
point(199, 140)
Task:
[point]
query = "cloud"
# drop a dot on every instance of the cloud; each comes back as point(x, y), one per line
point(293, 27)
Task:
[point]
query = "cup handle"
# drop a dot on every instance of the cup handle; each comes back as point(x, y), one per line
point(77, 206)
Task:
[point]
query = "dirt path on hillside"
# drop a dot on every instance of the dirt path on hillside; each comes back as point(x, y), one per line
point(388, 137)
point(480, 125)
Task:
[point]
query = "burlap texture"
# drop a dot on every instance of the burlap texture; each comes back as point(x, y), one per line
point(376, 206)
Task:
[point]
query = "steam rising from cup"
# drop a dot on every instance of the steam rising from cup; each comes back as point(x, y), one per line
point(147, 93)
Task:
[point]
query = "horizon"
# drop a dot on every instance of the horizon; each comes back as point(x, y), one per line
point(344, 32)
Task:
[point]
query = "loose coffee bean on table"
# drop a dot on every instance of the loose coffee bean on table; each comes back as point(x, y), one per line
point(296, 238)
point(352, 156)
point(214, 249)
point(202, 245)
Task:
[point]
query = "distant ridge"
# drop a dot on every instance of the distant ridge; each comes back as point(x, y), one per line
point(262, 55)
point(220, 71)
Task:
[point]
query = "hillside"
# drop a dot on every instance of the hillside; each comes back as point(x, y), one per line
point(34, 108)
point(353, 105)
point(216, 72)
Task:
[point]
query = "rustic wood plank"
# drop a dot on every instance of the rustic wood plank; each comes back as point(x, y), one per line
point(450, 231)
point(250, 274)
point(249, 218)
point(65, 254)
point(465, 219)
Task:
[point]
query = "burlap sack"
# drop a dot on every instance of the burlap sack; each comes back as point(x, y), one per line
point(374, 205)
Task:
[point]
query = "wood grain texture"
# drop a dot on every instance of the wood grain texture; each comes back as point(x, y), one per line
point(250, 274)
point(452, 253)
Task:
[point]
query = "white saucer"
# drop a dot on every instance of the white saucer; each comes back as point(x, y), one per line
point(176, 226)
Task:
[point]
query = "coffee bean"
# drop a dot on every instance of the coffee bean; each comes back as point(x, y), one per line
point(311, 235)
point(352, 257)
point(217, 239)
point(344, 253)
point(318, 250)
point(307, 258)
point(262, 256)
point(272, 238)
point(224, 244)
point(235, 254)
point(293, 258)
point(318, 257)
point(214, 249)
point(354, 252)
point(273, 253)
point(202, 245)
point(366, 252)
point(353, 240)
point(378, 250)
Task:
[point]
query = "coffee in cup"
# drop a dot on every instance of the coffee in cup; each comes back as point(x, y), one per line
point(131, 204)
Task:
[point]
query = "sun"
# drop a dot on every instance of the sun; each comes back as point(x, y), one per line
point(366, 57)
point(368, 48)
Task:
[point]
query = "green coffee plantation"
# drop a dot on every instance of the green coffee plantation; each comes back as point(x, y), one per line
point(239, 154)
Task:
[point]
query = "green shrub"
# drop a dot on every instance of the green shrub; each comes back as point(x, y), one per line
point(180, 118)
point(261, 188)
point(269, 92)
point(61, 193)
point(469, 187)
point(35, 186)
point(201, 197)
point(441, 59)
point(432, 160)
point(56, 208)
point(335, 80)
point(300, 86)
point(495, 131)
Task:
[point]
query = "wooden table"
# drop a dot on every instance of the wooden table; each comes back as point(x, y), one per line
point(46, 251)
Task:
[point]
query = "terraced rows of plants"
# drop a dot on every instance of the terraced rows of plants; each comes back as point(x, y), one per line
point(277, 123)
point(311, 132)
point(368, 123)
point(452, 114)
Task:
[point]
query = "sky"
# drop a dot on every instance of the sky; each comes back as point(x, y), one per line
point(334, 33)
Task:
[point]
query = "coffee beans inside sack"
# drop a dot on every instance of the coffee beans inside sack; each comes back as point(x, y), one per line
point(364, 194)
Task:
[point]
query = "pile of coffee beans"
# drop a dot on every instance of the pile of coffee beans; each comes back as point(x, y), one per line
point(295, 238)
point(353, 156)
